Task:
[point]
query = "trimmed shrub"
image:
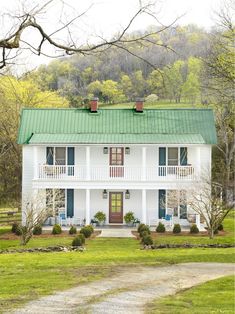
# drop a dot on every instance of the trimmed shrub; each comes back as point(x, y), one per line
point(86, 231)
point(37, 230)
point(56, 229)
point(160, 228)
point(144, 232)
point(91, 228)
point(18, 230)
point(79, 240)
point(147, 240)
point(177, 228)
point(140, 227)
point(14, 227)
point(194, 229)
point(72, 230)
point(216, 231)
point(220, 227)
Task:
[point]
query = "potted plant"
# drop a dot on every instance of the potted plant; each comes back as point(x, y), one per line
point(94, 222)
point(129, 218)
point(100, 217)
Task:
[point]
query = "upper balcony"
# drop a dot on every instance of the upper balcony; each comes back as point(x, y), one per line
point(115, 173)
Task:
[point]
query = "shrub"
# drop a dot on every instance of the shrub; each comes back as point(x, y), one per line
point(144, 229)
point(14, 227)
point(194, 229)
point(177, 228)
point(18, 230)
point(86, 231)
point(220, 227)
point(144, 233)
point(56, 229)
point(147, 240)
point(91, 228)
point(216, 231)
point(37, 230)
point(129, 217)
point(72, 230)
point(79, 240)
point(100, 216)
point(160, 228)
point(141, 226)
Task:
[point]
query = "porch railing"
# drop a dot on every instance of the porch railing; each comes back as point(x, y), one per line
point(115, 173)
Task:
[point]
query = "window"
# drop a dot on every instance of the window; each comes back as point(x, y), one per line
point(177, 203)
point(60, 155)
point(116, 156)
point(56, 155)
point(173, 156)
point(55, 200)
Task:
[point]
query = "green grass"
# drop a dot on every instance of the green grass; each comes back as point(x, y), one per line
point(26, 276)
point(216, 296)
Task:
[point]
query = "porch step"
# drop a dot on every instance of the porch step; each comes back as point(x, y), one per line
point(116, 233)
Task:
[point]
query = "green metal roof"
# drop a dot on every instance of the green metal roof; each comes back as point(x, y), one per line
point(192, 126)
point(116, 138)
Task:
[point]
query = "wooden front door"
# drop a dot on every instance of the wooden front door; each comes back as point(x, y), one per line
point(115, 207)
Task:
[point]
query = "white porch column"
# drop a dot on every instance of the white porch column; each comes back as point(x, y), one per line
point(88, 210)
point(198, 221)
point(143, 164)
point(144, 216)
point(88, 163)
point(35, 162)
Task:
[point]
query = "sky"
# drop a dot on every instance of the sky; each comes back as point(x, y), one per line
point(102, 19)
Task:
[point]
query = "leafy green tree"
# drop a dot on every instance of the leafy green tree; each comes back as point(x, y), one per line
point(126, 86)
point(156, 83)
point(111, 92)
point(191, 88)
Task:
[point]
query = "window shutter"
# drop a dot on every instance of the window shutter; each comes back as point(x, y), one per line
point(70, 160)
point(162, 203)
point(162, 156)
point(70, 203)
point(50, 156)
point(183, 156)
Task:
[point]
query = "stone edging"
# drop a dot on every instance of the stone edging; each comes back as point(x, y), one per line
point(48, 249)
point(188, 246)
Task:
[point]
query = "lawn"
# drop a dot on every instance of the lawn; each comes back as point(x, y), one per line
point(26, 276)
point(216, 296)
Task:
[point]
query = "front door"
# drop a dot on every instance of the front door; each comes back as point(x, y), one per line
point(115, 207)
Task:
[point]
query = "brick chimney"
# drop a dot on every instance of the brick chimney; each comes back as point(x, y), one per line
point(139, 105)
point(94, 104)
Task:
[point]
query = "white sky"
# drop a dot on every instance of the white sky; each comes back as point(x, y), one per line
point(105, 17)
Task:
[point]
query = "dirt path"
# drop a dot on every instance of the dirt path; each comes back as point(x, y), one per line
point(128, 291)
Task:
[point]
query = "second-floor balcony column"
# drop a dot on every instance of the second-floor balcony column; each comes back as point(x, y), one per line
point(198, 162)
point(143, 174)
point(88, 163)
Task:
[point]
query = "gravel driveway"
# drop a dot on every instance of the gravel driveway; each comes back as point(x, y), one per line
point(128, 291)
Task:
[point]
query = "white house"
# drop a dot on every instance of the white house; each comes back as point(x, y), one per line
point(116, 160)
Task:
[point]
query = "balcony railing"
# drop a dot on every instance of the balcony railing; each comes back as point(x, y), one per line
point(115, 173)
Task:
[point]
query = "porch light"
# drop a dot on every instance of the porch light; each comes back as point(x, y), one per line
point(127, 150)
point(127, 194)
point(105, 150)
point(105, 194)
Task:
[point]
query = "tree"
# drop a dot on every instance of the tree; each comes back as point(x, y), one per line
point(207, 201)
point(13, 40)
point(111, 93)
point(192, 85)
point(126, 86)
point(36, 210)
point(220, 77)
point(15, 95)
